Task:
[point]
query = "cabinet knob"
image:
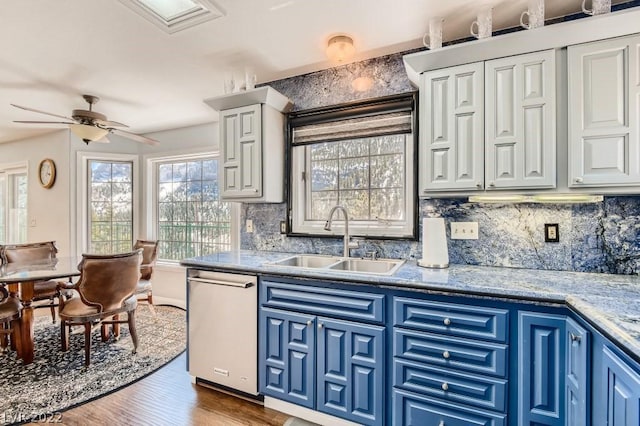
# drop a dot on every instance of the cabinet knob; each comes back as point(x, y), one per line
point(575, 337)
point(319, 325)
point(578, 180)
point(441, 423)
point(492, 184)
point(309, 322)
point(447, 321)
point(445, 386)
point(446, 355)
point(255, 189)
point(478, 185)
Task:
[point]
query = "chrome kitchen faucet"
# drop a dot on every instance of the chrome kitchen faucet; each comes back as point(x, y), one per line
point(347, 243)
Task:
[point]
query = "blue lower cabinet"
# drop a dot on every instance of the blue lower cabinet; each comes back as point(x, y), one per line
point(350, 372)
point(410, 409)
point(578, 343)
point(287, 356)
point(616, 400)
point(541, 366)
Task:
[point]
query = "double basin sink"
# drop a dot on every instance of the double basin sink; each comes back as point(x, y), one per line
point(332, 263)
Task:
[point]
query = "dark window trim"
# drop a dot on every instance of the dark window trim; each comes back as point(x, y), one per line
point(394, 103)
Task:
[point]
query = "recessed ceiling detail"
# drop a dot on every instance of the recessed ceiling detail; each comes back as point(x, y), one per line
point(175, 15)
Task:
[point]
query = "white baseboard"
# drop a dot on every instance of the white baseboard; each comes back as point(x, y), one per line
point(305, 413)
point(158, 300)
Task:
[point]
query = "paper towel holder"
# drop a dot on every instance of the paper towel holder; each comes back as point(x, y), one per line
point(435, 253)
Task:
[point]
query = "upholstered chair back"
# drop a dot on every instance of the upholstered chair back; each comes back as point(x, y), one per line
point(149, 257)
point(106, 281)
point(28, 253)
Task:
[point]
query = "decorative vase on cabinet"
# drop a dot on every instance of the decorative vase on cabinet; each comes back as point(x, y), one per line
point(252, 134)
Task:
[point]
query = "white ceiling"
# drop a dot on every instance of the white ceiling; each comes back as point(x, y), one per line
point(51, 52)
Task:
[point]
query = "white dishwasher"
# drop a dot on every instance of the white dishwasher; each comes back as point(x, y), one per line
point(223, 329)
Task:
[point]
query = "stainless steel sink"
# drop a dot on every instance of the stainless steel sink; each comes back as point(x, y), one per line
point(382, 266)
point(365, 266)
point(307, 261)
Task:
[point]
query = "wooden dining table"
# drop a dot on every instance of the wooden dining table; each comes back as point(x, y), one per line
point(19, 279)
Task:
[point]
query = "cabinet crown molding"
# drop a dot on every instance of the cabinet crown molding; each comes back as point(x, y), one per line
point(261, 95)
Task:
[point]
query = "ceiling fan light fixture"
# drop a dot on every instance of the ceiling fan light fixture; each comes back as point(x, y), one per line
point(88, 133)
point(340, 48)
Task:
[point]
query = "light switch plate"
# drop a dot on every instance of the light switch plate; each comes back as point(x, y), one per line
point(249, 226)
point(464, 230)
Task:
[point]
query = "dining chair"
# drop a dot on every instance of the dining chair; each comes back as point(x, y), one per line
point(149, 257)
point(36, 253)
point(10, 311)
point(106, 288)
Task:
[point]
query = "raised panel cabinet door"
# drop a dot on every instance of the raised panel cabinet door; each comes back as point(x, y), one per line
point(604, 103)
point(577, 341)
point(241, 146)
point(351, 370)
point(616, 399)
point(541, 369)
point(520, 121)
point(287, 356)
point(452, 129)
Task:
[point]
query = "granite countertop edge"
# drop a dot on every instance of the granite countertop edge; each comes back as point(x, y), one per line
point(611, 303)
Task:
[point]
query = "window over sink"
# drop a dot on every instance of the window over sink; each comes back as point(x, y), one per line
point(360, 156)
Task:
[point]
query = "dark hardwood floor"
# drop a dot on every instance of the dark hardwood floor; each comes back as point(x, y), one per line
point(167, 397)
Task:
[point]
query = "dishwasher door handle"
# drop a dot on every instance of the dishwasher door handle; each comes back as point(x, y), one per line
point(239, 284)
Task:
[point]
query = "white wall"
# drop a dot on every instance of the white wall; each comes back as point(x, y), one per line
point(48, 210)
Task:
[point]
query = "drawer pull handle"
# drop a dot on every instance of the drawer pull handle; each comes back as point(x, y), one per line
point(309, 322)
point(575, 337)
point(441, 423)
point(319, 325)
point(445, 386)
point(446, 355)
point(447, 321)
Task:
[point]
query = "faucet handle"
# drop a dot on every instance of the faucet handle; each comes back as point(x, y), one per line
point(373, 255)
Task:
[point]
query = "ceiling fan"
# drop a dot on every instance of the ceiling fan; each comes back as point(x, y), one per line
point(89, 125)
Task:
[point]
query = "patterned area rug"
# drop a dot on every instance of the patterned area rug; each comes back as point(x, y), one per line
point(56, 380)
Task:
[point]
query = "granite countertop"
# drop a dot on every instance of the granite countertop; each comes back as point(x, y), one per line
point(612, 302)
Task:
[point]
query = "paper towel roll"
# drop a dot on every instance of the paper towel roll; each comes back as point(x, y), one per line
point(434, 243)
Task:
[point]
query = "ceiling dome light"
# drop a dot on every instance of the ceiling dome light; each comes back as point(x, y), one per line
point(340, 48)
point(88, 133)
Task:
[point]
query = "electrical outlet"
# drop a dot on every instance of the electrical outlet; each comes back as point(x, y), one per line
point(283, 227)
point(249, 226)
point(464, 230)
point(551, 233)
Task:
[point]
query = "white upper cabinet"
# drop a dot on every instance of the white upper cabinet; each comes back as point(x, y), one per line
point(520, 117)
point(251, 145)
point(489, 125)
point(452, 129)
point(604, 108)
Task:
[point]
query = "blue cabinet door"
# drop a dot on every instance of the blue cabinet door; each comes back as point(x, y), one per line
point(351, 370)
point(578, 342)
point(541, 369)
point(287, 356)
point(616, 391)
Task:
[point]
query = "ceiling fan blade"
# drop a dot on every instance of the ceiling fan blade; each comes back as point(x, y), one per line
point(104, 139)
point(135, 137)
point(107, 123)
point(42, 112)
point(42, 122)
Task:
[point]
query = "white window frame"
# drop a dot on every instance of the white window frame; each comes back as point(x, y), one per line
point(382, 227)
point(82, 194)
point(151, 198)
point(8, 170)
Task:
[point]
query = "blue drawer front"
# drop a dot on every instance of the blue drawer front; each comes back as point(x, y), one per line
point(452, 319)
point(323, 301)
point(466, 388)
point(413, 410)
point(458, 353)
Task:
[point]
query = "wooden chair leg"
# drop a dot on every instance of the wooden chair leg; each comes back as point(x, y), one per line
point(64, 336)
point(87, 344)
point(52, 306)
point(4, 337)
point(116, 327)
point(131, 321)
point(104, 332)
